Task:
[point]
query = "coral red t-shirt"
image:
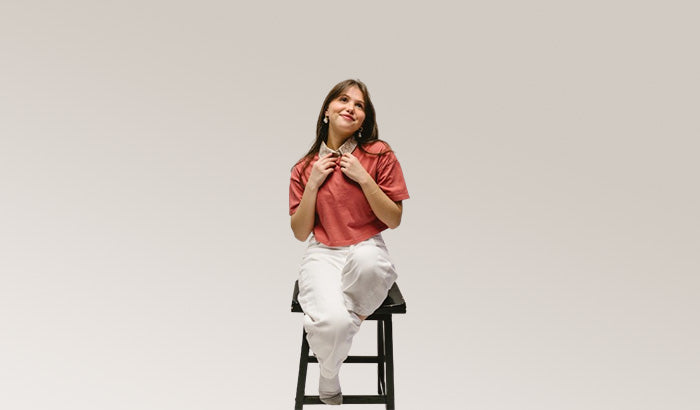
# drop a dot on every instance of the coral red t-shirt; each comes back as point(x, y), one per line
point(343, 215)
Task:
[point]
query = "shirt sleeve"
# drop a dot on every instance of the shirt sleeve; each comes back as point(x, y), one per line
point(296, 189)
point(390, 177)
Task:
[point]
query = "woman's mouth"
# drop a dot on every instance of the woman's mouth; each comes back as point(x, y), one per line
point(347, 117)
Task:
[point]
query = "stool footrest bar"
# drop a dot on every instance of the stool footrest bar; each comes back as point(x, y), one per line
point(352, 399)
point(353, 359)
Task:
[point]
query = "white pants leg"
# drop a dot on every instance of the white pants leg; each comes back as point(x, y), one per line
point(335, 285)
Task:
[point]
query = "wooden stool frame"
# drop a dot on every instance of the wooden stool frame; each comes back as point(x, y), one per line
point(394, 304)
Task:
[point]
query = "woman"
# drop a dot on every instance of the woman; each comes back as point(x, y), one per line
point(346, 190)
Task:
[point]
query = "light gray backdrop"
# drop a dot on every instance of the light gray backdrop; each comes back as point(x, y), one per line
point(549, 252)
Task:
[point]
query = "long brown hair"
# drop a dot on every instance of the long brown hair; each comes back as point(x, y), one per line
point(370, 131)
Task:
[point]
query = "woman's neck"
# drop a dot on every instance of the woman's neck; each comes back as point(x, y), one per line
point(335, 141)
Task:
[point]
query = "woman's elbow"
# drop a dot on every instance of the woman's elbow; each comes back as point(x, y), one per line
point(395, 219)
point(393, 224)
point(301, 236)
point(299, 233)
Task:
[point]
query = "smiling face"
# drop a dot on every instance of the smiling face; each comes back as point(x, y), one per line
point(346, 113)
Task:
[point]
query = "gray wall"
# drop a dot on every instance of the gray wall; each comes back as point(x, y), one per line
point(549, 252)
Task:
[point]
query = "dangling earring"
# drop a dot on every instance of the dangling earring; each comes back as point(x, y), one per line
point(359, 134)
point(325, 120)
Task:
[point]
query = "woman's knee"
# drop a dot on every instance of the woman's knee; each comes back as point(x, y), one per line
point(368, 258)
point(339, 325)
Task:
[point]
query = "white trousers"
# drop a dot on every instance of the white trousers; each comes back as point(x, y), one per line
point(335, 285)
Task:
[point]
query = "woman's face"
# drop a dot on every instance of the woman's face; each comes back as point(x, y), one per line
point(346, 113)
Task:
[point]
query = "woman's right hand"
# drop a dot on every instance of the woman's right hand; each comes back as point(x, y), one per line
point(320, 171)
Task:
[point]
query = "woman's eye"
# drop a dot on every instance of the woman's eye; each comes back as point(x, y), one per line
point(360, 106)
point(343, 99)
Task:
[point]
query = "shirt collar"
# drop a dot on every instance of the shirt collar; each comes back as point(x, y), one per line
point(347, 147)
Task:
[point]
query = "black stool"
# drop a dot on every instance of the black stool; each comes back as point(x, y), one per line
point(393, 303)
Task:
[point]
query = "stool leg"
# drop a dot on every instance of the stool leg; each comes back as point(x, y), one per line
point(303, 365)
point(389, 346)
point(381, 355)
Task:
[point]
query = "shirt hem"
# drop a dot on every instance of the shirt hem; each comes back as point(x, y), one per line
point(353, 241)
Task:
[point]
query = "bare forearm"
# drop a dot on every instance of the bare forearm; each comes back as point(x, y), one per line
point(305, 215)
point(383, 207)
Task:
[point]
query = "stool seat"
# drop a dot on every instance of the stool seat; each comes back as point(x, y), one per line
point(393, 304)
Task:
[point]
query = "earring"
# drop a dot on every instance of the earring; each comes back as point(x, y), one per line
point(359, 133)
point(325, 120)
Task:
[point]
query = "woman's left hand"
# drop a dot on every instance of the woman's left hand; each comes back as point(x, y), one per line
point(351, 167)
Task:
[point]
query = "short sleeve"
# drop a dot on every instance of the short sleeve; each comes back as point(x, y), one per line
point(390, 177)
point(296, 189)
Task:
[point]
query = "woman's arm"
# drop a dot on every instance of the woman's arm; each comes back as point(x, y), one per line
point(383, 207)
point(303, 219)
point(387, 211)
